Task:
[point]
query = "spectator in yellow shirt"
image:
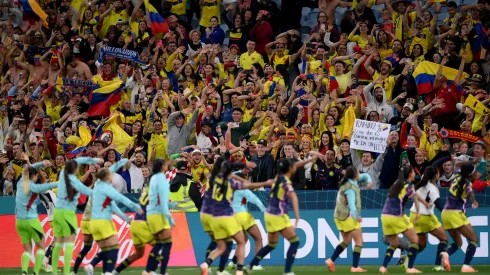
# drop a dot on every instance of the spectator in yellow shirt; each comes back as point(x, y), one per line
point(363, 38)
point(250, 57)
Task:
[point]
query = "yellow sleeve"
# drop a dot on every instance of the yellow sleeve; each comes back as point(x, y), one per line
point(321, 123)
point(353, 38)
point(171, 58)
point(261, 61)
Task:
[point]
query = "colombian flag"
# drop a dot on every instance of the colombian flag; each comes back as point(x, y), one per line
point(158, 23)
point(82, 142)
point(112, 133)
point(105, 94)
point(425, 75)
point(31, 6)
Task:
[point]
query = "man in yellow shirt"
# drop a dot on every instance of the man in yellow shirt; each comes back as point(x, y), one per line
point(250, 57)
point(278, 57)
point(178, 7)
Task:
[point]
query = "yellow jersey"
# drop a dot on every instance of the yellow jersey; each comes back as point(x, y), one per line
point(246, 60)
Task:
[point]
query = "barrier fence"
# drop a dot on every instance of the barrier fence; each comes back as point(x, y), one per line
point(316, 230)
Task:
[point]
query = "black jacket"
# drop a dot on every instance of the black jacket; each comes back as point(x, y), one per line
point(264, 169)
point(389, 170)
point(194, 193)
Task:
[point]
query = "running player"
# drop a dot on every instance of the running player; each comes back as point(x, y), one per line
point(246, 220)
point(224, 225)
point(65, 219)
point(159, 219)
point(27, 222)
point(276, 216)
point(102, 227)
point(85, 224)
point(207, 213)
point(454, 216)
point(88, 239)
point(48, 199)
point(395, 221)
point(140, 232)
point(347, 216)
point(428, 223)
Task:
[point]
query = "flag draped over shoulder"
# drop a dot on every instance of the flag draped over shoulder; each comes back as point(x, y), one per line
point(425, 75)
point(112, 133)
point(82, 142)
point(31, 6)
point(105, 94)
point(158, 23)
point(349, 119)
point(480, 111)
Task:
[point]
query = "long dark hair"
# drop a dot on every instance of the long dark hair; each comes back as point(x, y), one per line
point(216, 169)
point(350, 173)
point(283, 166)
point(429, 173)
point(157, 165)
point(70, 167)
point(466, 171)
point(397, 187)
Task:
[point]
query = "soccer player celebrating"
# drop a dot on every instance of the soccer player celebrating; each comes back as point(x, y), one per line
point(246, 220)
point(428, 223)
point(140, 232)
point(225, 225)
point(65, 219)
point(276, 216)
point(395, 221)
point(454, 216)
point(158, 218)
point(27, 222)
point(348, 217)
point(85, 224)
point(102, 227)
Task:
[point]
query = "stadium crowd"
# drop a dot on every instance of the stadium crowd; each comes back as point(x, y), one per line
point(188, 80)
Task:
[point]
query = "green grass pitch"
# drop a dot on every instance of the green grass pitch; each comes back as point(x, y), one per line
point(277, 270)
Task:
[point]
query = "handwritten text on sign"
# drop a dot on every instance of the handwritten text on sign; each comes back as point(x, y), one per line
point(370, 136)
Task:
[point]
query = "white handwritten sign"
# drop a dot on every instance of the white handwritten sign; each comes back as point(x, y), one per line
point(369, 136)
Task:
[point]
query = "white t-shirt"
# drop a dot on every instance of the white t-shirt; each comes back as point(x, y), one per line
point(119, 183)
point(48, 199)
point(429, 193)
point(137, 179)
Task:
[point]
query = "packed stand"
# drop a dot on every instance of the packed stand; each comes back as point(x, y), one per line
point(144, 80)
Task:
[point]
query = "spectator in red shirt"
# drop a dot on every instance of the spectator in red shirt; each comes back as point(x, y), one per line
point(262, 32)
point(448, 93)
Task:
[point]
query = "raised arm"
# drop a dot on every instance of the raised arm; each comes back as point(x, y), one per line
point(118, 165)
point(79, 186)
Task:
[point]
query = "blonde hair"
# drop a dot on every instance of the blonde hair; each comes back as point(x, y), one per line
point(25, 179)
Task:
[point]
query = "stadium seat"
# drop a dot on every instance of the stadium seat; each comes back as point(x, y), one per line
point(224, 27)
point(278, 2)
point(310, 23)
point(304, 37)
point(377, 15)
point(313, 15)
point(304, 30)
point(441, 18)
point(304, 14)
point(340, 10)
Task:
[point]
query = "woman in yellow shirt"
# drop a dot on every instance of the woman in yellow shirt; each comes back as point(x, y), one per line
point(384, 44)
point(431, 143)
point(363, 38)
point(417, 54)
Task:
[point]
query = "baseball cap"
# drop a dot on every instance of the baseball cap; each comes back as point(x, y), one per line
point(409, 106)
point(181, 165)
point(196, 152)
point(262, 142)
point(482, 143)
